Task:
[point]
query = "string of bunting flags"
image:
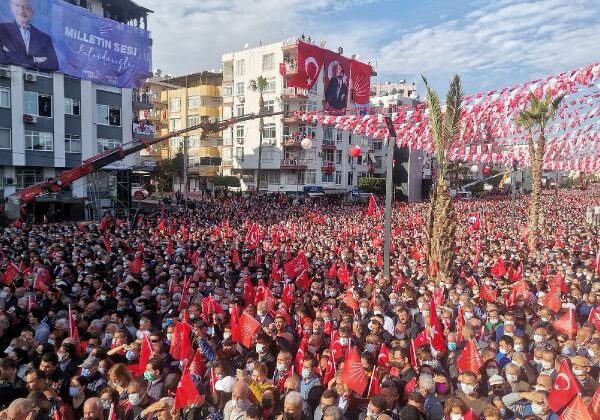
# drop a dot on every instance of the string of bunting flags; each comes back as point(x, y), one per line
point(490, 134)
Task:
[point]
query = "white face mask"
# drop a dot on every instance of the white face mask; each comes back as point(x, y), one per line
point(537, 409)
point(467, 388)
point(578, 372)
point(455, 416)
point(538, 338)
point(518, 347)
point(511, 378)
point(546, 365)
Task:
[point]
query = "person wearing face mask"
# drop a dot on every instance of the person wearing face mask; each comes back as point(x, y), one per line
point(310, 386)
point(96, 380)
point(77, 395)
point(581, 367)
point(283, 369)
point(548, 363)
point(505, 351)
point(138, 400)
point(468, 392)
point(236, 408)
point(513, 376)
point(455, 409)
point(432, 407)
point(259, 383)
point(154, 376)
point(400, 364)
point(526, 404)
point(375, 409)
point(265, 356)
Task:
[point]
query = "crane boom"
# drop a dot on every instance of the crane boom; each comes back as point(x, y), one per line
point(66, 178)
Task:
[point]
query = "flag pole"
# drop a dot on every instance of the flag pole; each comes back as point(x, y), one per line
point(389, 165)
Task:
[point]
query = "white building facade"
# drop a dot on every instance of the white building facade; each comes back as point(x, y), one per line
point(285, 165)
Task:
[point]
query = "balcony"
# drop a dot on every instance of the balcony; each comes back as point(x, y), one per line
point(290, 119)
point(291, 141)
point(294, 164)
point(328, 167)
point(290, 67)
point(227, 100)
point(143, 100)
point(295, 93)
point(328, 145)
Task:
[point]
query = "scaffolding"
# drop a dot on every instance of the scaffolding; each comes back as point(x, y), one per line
point(109, 191)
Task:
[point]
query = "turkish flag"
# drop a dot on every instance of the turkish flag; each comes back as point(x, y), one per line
point(302, 351)
point(594, 407)
point(498, 270)
point(249, 293)
point(343, 275)
point(577, 410)
point(248, 327)
point(594, 317)
point(136, 265)
point(310, 63)
point(469, 359)
point(384, 356)
point(296, 266)
point(372, 206)
point(488, 294)
point(436, 336)
point(275, 274)
point(410, 386)
point(253, 237)
point(235, 257)
point(349, 300)
point(287, 295)
point(145, 355)
point(558, 281)
point(39, 284)
point(353, 374)
point(11, 273)
point(234, 321)
point(329, 373)
point(332, 272)
point(187, 394)
point(564, 389)
point(567, 323)
point(515, 275)
point(361, 82)
point(552, 300)
point(103, 226)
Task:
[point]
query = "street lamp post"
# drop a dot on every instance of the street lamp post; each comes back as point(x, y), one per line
point(389, 168)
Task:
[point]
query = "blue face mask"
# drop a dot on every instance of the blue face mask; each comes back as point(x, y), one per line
point(85, 372)
point(73, 391)
point(451, 346)
point(130, 355)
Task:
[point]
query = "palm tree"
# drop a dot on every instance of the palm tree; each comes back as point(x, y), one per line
point(259, 85)
point(539, 113)
point(445, 128)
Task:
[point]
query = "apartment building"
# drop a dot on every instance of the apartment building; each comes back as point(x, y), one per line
point(50, 122)
point(190, 100)
point(325, 167)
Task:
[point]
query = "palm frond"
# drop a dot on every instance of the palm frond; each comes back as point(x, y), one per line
point(454, 100)
point(435, 116)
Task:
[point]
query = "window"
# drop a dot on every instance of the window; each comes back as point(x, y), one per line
point(38, 104)
point(377, 145)
point(71, 106)
point(239, 134)
point(269, 131)
point(311, 176)
point(311, 106)
point(175, 104)
point(328, 156)
point(108, 115)
point(4, 97)
point(310, 154)
point(326, 177)
point(227, 90)
point(193, 102)
point(175, 123)
point(268, 62)
point(227, 154)
point(350, 178)
point(72, 143)
point(26, 177)
point(5, 142)
point(379, 161)
point(269, 107)
point(40, 141)
point(327, 134)
point(268, 155)
point(239, 110)
point(338, 157)
point(107, 144)
point(193, 120)
point(239, 153)
point(239, 88)
point(240, 67)
point(193, 142)
point(271, 83)
point(338, 177)
point(300, 178)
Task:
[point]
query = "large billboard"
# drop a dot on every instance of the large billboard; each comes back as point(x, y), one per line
point(52, 35)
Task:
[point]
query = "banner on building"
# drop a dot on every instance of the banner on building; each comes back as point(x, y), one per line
point(52, 35)
point(344, 78)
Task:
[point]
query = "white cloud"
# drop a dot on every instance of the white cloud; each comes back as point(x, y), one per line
point(192, 35)
point(508, 37)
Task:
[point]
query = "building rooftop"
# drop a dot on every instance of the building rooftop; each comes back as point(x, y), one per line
point(124, 10)
point(196, 79)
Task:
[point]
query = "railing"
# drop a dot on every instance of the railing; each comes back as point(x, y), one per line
point(293, 163)
point(293, 91)
point(291, 66)
point(291, 141)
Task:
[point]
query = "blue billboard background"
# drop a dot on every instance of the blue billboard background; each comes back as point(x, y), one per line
point(85, 45)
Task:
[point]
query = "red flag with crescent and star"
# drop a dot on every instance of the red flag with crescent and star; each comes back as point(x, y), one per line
point(594, 406)
point(310, 63)
point(253, 237)
point(564, 389)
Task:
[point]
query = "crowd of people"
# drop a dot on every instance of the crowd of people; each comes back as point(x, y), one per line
point(263, 307)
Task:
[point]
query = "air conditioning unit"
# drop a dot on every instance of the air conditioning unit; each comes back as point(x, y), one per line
point(9, 181)
point(5, 73)
point(29, 119)
point(240, 141)
point(30, 77)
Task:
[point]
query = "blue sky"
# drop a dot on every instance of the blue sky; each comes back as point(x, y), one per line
point(490, 43)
